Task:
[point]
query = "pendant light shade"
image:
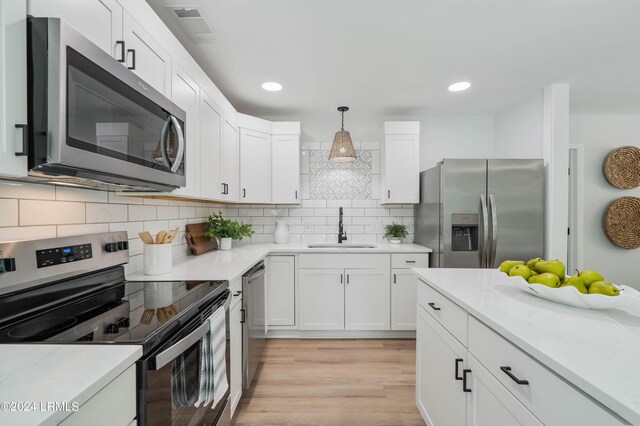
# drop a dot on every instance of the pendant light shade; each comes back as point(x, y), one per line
point(342, 150)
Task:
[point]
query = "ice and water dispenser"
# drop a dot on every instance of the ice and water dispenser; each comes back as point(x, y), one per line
point(464, 232)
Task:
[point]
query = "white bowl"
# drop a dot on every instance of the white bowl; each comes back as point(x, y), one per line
point(570, 295)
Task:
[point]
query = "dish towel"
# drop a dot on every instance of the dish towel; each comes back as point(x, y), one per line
point(218, 382)
point(205, 368)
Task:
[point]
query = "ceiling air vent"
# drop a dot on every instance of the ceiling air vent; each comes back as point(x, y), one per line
point(193, 20)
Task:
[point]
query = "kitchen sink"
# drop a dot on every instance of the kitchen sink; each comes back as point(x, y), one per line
point(344, 246)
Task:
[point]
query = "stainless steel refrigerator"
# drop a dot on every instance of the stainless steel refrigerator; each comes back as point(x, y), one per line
point(477, 213)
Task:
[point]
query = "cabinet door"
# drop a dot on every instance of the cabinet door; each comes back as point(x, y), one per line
point(230, 167)
point(210, 148)
point(401, 169)
point(404, 296)
point(321, 299)
point(490, 403)
point(98, 20)
point(235, 335)
point(255, 166)
point(367, 299)
point(281, 290)
point(13, 87)
point(285, 150)
point(145, 56)
point(440, 396)
point(185, 93)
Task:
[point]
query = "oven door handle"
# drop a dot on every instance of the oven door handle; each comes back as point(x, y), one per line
point(169, 354)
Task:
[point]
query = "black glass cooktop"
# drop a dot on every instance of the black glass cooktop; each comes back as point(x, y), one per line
point(103, 308)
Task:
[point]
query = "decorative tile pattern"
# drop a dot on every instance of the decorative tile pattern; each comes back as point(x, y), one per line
point(339, 181)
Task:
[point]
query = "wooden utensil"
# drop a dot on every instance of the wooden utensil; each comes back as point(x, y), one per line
point(160, 236)
point(171, 310)
point(146, 237)
point(162, 315)
point(147, 316)
point(170, 236)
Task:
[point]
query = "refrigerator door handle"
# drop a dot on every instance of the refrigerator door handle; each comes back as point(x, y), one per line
point(485, 232)
point(494, 230)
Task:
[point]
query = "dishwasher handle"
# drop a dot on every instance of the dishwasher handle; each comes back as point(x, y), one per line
point(255, 272)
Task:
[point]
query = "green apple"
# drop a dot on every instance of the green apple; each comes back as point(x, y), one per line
point(508, 264)
point(532, 262)
point(604, 287)
point(576, 282)
point(552, 266)
point(520, 271)
point(590, 277)
point(546, 278)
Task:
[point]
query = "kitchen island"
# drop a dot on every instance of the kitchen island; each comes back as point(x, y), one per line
point(518, 358)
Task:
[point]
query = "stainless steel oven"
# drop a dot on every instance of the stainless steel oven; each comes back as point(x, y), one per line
point(93, 122)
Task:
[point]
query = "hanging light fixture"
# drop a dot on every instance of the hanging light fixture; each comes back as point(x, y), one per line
point(342, 150)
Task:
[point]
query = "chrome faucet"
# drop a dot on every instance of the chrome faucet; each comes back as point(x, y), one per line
point(342, 236)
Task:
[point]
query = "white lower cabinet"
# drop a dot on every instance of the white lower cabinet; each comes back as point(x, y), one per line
point(322, 299)
point(235, 357)
point(367, 301)
point(281, 282)
point(404, 289)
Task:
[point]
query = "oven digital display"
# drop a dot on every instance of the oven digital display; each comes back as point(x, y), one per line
point(60, 255)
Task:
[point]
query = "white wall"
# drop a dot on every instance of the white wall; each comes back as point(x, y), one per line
point(599, 135)
point(518, 129)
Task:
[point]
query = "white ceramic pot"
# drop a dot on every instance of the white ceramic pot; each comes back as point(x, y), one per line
point(224, 243)
point(156, 259)
point(281, 235)
point(395, 240)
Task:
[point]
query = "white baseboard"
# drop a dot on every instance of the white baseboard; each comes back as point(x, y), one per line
point(341, 334)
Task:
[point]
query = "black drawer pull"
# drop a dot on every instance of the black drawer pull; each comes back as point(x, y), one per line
point(409, 261)
point(458, 361)
point(464, 380)
point(133, 58)
point(507, 371)
point(433, 306)
point(395, 280)
point(238, 293)
point(122, 49)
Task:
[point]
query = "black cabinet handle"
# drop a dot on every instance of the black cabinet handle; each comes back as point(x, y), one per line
point(347, 278)
point(458, 361)
point(133, 58)
point(464, 380)
point(25, 140)
point(395, 279)
point(341, 278)
point(507, 371)
point(409, 261)
point(296, 194)
point(243, 316)
point(388, 193)
point(433, 306)
point(238, 293)
point(123, 56)
point(226, 189)
point(223, 191)
point(244, 193)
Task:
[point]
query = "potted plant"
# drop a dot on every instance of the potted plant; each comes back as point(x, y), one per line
point(225, 230)
point(395, 232)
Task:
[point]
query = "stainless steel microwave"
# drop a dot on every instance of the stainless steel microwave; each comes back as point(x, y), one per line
point(93, 122)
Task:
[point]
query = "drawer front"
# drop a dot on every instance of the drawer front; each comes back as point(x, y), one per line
point(410, 260)
point(342, 260)
point(549, 397)
point(451, 316)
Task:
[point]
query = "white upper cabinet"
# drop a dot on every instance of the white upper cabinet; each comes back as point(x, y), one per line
point(230, 164)
point(186, 94)
point(145, 57)
point(255, 166)
point(13, 90)
point(211, 122)
point(285, 167)
point(400, 163)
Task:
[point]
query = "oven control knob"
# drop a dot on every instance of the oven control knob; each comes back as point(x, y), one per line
point(111, 247)
point(123, 245)
point(112, 329)
point(8, 264)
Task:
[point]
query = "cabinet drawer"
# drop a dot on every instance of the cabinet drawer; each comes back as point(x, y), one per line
point(451, 316)
point(410, 260)
point(548, 396)
point(341, 260)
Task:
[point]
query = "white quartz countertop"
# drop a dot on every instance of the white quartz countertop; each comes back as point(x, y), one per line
point(57, 373)
point(228, 265)
point(597, 351)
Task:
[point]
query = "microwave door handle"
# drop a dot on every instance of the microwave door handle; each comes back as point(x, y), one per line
point(494, 229)
point(163, 143)
point(180, 136)
point(485, 232)
point(171, 353)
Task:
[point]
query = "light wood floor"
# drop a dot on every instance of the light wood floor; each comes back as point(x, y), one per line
point(333, 382)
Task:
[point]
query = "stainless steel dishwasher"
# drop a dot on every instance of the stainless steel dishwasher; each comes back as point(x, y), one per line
point(254, 324)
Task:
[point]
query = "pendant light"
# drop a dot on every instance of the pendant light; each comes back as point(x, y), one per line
point(342, 150)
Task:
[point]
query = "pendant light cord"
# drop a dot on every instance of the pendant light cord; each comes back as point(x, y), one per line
point(342, 125)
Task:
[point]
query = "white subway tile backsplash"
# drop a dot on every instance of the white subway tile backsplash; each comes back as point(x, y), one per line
point(401, 212)
point(314, 238)
point(187, 212)
point(27, 233)
point(364, 203)
point(314, 203)
point(115, 197)
point(353, 212)
point(301, 212)
point(37, 212)
point(364, 238)
point(370, 145)
point(8, 212)
point(250, 212)
point(132, 228)
point(64, 193)
point(259, 220)
point(82, 229)
point(365, 220)
point(262, 238)
point(339, 203)
point(325, 212)
point(304, 162)
point(376, 212)
point(168, 212)
point(98, 213)
point(137, 212)
point(314, 220)
point(27, 191)
point(155, 202)
point(275, 212)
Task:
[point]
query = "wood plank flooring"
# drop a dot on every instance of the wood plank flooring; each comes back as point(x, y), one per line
point(333, 382)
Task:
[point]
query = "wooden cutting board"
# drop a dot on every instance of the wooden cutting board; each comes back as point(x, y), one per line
point(196, 240)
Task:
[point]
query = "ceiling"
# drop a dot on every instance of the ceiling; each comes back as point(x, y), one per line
point(397, 57)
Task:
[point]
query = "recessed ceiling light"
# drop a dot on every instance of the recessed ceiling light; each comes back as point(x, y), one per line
point(459, 86)
point(272, 86)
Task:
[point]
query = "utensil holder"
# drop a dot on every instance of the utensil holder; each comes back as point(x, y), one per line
point(157, 259)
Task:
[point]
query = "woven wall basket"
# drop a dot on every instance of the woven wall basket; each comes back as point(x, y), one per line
point(622, 167)
point(622, 222)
